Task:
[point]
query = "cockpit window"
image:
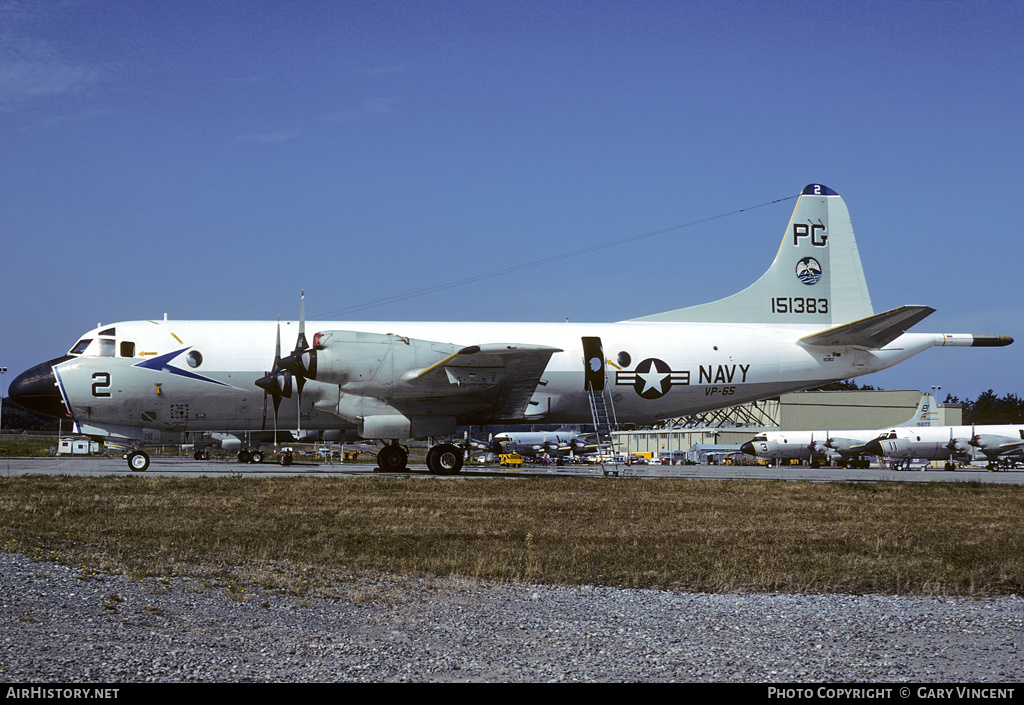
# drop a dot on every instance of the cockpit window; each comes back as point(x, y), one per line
point(106, 347)
point(127, 349)
point(80, 346)
point(108, 331)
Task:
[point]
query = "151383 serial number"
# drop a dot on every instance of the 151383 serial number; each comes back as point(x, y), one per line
point(798, 304)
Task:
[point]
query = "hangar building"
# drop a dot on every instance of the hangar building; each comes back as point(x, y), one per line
point(797, 411)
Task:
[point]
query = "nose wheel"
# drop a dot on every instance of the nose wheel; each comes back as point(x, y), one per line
point(138, 461)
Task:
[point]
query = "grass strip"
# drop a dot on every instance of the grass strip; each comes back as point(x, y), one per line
point(315, 534)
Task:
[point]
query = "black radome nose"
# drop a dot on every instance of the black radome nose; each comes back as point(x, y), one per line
point(36, 390)
point(874, 447)
point(748, 448)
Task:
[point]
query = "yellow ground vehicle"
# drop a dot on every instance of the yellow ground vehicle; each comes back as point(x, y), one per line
point(510, 459)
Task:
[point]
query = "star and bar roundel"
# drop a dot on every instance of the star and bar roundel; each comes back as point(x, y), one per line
point(652, 378)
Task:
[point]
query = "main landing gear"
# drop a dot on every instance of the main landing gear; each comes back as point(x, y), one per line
point(250, 456)
point(442, 459)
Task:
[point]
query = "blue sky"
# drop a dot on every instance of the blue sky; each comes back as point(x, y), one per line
point(213, 159)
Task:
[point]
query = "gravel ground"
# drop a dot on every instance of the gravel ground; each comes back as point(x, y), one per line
point(59, 625)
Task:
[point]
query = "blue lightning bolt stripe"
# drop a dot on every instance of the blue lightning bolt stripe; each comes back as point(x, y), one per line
point(161, 363)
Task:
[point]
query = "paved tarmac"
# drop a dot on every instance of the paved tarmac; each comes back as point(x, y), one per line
point(187, 467)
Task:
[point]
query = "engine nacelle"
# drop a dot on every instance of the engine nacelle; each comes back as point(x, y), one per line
point(959, 446)
point(371, 364)
point(987, 441)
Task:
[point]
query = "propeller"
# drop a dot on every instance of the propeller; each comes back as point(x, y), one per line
point(975, 439)
point(953, 447)
point(301, 363)
point(302, 360)
point(953, 444)
point(812, 446)
point(278, 382)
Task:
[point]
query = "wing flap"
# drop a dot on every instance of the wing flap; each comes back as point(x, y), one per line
point(873, 332)
point(507, 374)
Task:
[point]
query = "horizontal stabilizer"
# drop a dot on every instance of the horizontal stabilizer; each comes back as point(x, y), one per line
point(872, 332)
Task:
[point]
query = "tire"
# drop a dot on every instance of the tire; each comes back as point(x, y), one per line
point(243, 456)
point(138, 461)
point(256, 457)
point(392, 458)
point(445, 459)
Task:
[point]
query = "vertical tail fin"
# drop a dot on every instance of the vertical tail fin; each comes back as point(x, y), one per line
point(927, 413)
point(816, 277)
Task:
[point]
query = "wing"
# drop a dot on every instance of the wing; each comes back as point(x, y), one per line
point(393, 373)
point(502, 377)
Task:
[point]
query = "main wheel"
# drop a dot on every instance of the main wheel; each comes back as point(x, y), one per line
point(445, 459)
point(392, 458)
point(243, 456)
point(256, 457)
point(138, 461)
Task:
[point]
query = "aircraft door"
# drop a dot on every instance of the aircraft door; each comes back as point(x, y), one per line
point(593, 364)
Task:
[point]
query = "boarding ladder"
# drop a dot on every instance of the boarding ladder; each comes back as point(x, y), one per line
point(603, 412)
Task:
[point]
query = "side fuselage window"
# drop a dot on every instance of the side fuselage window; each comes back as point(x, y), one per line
point(127, 349)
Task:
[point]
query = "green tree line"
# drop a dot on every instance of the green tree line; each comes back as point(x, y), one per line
point(989, 408)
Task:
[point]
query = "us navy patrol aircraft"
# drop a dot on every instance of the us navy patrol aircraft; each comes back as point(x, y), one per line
point(950, 443)
point(807, 321)
point(847, 447)
point(560, 442)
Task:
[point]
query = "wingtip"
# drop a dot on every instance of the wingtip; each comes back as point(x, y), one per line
point(991, 341)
